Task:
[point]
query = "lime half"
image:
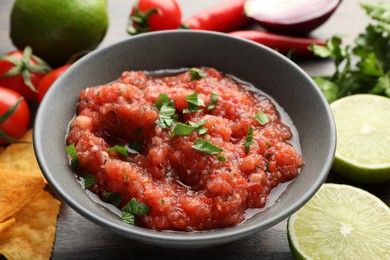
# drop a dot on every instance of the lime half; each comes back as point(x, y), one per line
point(341, 222)
point(363, 138)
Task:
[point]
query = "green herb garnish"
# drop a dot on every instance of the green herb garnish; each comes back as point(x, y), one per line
point(261, 117)
point(196, 74)
point(112, 198)
point(194, 102)
point(134, 208)
point(167, 111)
point(89, 181)
point(134, 147)
point(206, 147)
point(248, 140)
point(221, 158)
point(213, 102)
point(71, 151)
point(185, 130)
point(120, 149)
point(364, 65)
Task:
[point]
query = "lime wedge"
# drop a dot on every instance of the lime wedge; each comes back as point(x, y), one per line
point(363, 138)
point(341, 222)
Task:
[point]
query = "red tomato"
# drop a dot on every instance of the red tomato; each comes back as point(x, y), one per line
point(155, 15)
point(26, 71)
point(48, 80)
point(17, 123)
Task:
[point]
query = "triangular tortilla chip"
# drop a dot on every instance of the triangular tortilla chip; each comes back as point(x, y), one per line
point(15, 191)
point(4, 225)
point(32, 236)
point(20, 157)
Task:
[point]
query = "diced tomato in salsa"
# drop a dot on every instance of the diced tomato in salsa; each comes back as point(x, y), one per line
point(186, 189)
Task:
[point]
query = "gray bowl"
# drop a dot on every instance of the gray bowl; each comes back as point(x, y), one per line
point(277, 76)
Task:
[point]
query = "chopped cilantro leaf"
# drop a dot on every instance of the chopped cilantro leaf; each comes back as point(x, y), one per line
point(127, 217)
point(248, 140)
point(167, 111)
point(112, 198)
point(206, 147)
point(221, 158)
point(89, 181)
point(213, 102)
point(71, 151)
point(196, 74)
point(194, 102)
point(134, 208)
point(185, 130)
point(261, 117)
point(134, 147)
point(120, 149)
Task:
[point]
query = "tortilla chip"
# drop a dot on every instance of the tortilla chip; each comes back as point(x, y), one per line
point(32, 236)
point(15, 191)
point(2, 149)
point(4, 225)
point(20, 157)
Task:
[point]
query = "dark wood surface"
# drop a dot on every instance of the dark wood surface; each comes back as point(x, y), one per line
point(79, 238)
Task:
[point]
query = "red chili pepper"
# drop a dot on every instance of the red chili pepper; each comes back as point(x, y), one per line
point(284, 44)
point(222, 17)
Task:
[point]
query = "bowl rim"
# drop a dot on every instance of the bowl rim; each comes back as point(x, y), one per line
point(179, 239)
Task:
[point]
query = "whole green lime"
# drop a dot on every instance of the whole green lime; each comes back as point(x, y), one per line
point(58, 29)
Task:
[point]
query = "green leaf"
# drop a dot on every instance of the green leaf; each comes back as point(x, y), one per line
point(163, 99)
point(248, 140)
point(120, 149)
point(328, 88)
point(213, 102)
point(378, 11)
point(89, 181)
point(383, 85)
point(183, 130)
point(127, 217)
point(134, 208)
point(206, 147)
point(71, 151)
point(199, 124)
point(166, 111)
point(221, 158)
point(138, 208)
point(134, 147)
point(203, 130)
point(113, 198)
point(194, 102)
point(196, 74)
point(261, 117)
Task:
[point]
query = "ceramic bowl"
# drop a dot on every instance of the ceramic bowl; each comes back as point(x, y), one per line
point(274, 74)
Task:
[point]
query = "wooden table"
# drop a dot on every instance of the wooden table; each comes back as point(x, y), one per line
point(81, 239)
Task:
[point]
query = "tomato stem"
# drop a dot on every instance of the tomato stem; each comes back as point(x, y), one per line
point(139, 20)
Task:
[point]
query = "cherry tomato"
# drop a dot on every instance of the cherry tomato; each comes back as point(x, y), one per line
point(154, 15)
point(15, 125)
point(21, 71)
point(48, 80)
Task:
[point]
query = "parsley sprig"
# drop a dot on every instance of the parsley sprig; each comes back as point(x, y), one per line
point(364, 66)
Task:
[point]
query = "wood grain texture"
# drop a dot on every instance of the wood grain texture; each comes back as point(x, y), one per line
point(79, 238)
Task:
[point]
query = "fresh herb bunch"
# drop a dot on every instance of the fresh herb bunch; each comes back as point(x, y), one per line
point(363, 67)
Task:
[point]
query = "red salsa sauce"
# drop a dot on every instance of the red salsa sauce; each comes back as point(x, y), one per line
point(201, 148)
